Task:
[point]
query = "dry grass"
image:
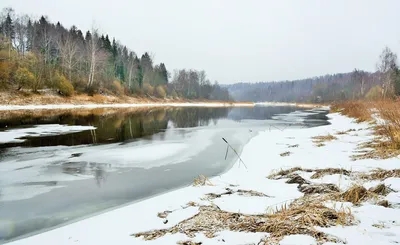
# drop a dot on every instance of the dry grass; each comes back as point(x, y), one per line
point(389, 111)
point(323, 138)
point(320, 145)
point(381, 189)
point(293, 146)
point(357, 194)
point(354, 109)
point(345, 132)
point(211, 196)
point(319, 173)
point(285, 154)
point(318, 189)
point(283, 173)
point(375, 149)
point(381, 174)
point(296, 179)
point(202, 181)
point(300, 217)
point(164, 214)
point(387, 129)
point(188, 243)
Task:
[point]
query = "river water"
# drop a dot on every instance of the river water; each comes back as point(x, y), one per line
point(57, 167)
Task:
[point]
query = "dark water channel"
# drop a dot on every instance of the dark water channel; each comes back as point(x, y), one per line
point(57, 167)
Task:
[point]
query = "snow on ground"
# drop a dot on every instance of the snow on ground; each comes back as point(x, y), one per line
point(376, 224)
point(15, 135)
point(90, 106)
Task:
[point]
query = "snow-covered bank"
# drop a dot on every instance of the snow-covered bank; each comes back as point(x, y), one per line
point(262, 156)
point(116, 105)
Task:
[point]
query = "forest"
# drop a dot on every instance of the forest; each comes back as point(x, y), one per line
point(38, 55)
point(383, 83)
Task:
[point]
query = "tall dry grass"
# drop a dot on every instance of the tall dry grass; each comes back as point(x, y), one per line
point(386, 115)
point(389, 125)
point(360, 110)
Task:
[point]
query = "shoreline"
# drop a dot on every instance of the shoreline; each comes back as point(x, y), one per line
point(55, 106)
point(123, 105)
point(177, 208)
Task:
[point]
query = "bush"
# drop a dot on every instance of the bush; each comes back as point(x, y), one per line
point(117, 88)
point(160, 91)
point(4, 72)
point(63, 85)
point(24, 78)
point(148, 89)
point(375, 93)
point(174, 94)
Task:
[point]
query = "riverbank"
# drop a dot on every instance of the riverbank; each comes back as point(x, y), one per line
point(50, 101)
point(47, 100)
point(324, 197)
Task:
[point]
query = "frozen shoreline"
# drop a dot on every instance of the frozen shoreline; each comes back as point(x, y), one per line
point(261, 156)
point(141, 105)
point(93, 106)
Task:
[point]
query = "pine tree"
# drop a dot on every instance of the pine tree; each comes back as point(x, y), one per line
point(88, 36)
point(164, 73)
point(8, 27)
point(30, 36)
point(107, 44)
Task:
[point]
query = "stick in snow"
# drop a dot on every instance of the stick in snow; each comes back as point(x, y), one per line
point(237, 154)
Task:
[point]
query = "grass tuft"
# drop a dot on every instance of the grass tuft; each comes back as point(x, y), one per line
point(285, 154)
point(319, 173)
point(301, 217)
point(202, 181)
point(321, 139)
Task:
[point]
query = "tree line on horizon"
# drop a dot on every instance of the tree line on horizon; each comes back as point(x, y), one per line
point(37, 54)
point(358, 84)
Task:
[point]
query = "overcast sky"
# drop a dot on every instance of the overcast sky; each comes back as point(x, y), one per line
point(238, 40)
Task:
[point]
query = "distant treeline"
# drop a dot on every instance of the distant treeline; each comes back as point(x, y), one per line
point(383, 83)
point(37, 54)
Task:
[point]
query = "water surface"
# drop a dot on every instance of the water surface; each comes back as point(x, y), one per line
point(56, 176)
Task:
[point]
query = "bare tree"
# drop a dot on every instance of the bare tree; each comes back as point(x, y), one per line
point(95, 56)
point(68, 50)
point(386, 67)
point(21, 34)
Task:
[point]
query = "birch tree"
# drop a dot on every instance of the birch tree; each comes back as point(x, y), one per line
point(386, 66)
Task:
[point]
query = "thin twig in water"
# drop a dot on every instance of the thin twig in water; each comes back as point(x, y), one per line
point(237, 154)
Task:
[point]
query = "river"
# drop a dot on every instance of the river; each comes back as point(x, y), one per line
point(57, 167)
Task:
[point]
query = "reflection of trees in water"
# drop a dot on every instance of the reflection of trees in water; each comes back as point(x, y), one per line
point(194, 117)
point(118, 126)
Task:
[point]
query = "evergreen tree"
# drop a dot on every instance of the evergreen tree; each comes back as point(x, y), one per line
point(30, 36)
point(8, 27)
point(107, 44)
point(88, 36)
point(164, 73)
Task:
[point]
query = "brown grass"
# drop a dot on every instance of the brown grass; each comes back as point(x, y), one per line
point(283, 173)
point(285, 154)
point(345, 132)
point(301, 217)
point(356, 194)
point(354, 109)
point(318, 189)
point(381, 189)
point(387, 130)
point(381, 174)
point(319, 173)
point(389, 111)
point(320, 139)
point(202, 181)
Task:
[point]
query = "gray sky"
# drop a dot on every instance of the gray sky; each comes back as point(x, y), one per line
point(238, 40)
